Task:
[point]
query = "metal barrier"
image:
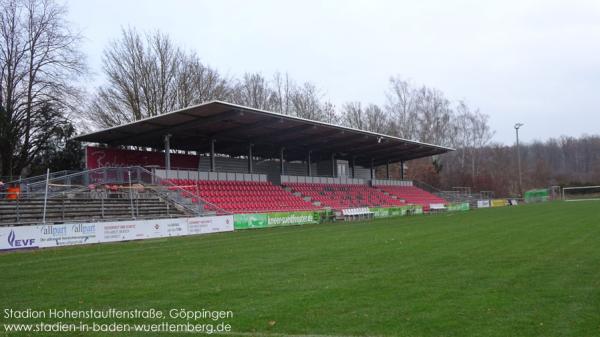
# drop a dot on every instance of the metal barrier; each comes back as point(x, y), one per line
point(447, 195)
point(107, 176)
point(103, 202)
point(124, 181)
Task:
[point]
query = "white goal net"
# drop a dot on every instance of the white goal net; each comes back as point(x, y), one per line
point(581, 193)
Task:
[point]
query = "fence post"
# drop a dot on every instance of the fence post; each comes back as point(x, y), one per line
point(130, 196)
point(198, 195)
point(46, 194)
point(18, 207)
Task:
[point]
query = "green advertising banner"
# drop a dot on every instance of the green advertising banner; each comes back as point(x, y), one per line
point(458, 206)
point(292, 218)
point(397, 211)
point(255, 220)
point(539, 195)
point(263, 220)
point(379, 212)
point(416, 209)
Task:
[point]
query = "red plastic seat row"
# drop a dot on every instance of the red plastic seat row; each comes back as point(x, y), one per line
point(240, 196)
point(413, 195)
point(339, 196)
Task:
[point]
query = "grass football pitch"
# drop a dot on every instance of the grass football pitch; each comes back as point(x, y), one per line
point(531, 270)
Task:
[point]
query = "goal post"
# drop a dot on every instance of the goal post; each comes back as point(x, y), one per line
point(581, 193)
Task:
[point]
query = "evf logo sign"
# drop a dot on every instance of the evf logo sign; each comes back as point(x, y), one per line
point(15, 242)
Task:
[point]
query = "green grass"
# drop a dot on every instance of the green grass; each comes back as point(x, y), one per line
point(523, 271)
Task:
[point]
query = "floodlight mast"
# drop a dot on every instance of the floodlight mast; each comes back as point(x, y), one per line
point(517, 127)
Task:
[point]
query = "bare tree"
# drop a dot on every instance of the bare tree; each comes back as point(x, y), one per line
point(421, 113)
point(253, 90)
point(148, 75)
point(197, 83)
point(39, 59)
point(371, 118)
point(401, 108)
point(353, 115)
point(377, 119)
point(434, 116)
point(470, 133)
point(283, 95)
point(306, 101)
point(283, 87)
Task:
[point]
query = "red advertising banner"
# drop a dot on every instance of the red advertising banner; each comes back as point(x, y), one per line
point(106, 157)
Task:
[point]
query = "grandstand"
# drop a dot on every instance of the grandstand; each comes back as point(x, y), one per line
point(220, 158)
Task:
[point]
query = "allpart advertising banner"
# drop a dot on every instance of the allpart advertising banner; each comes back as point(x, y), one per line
point(42, 236)
point(483, 203)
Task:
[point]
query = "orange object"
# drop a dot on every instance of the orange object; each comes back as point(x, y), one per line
point(13, 193)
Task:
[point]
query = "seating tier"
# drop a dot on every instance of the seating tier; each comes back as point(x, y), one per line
point(413, 195)
point(244, 196)
point(343, 196)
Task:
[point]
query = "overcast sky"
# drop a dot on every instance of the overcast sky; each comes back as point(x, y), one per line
point(535, 62)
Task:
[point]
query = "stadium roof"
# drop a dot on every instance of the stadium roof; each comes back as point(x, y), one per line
point(235, 126)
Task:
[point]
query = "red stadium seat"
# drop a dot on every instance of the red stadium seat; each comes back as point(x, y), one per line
point(413, 195)
point(244, 196)
point(340, 196)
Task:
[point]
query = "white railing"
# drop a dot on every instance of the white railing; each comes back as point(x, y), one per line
point(390, 182)
point(321, 180)
point(201, 175)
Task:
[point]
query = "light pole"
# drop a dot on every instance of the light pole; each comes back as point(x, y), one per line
point(517, 127)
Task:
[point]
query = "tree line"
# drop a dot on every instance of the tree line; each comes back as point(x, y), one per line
point(147, 74)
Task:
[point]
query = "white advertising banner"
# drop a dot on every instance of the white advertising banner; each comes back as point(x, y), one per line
point(210, 224)
point(483, 203)
point(141, 229)
point(19, 237)
point(42, 236)
point(67, 234)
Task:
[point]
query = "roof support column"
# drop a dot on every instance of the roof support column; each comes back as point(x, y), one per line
point(372, 170)
point(333, 165)
point(212, 155)
point(250, 168)
point(281, 161)
point(353, 167)
point(402, 170)
point(199, 163)
point(387, 170)
point(308, 168)
point(167, 153)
